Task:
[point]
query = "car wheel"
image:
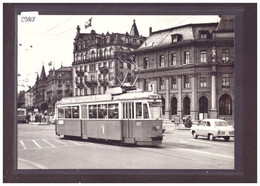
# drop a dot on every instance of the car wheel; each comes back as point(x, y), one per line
point(227, 138)
point(211, 137)
point(194, 134)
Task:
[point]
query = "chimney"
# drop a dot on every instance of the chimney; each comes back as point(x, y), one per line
point(150, 31)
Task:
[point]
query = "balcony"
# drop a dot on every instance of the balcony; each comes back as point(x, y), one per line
point(91, 84)
point(80, 73)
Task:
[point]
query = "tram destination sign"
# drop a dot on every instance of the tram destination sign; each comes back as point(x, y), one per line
point(103, 97)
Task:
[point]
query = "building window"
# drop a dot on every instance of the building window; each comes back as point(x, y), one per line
point(174, 106)
point(203, 81)
point(161, 83)
point(174, 82)
point(100, 54)
point(145, 85)
point(93, 55)
point(186, 81)
point(79, 46)
point(225, 105)
point(203, 56)
point(204, 34)
point(186, 105)
point(105, 53)
point(174, 59)
point(86, 68)
point(225, 55)
point(203, 105)
point(186, 57)
point(111, 52)
point(83, 45)
point(146, 61)
point(176, 38)
point(92, 67)
point(161, 62)
point(225, 80)
point(127, 40)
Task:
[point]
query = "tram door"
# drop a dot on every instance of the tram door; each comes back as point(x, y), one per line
point(128, 122)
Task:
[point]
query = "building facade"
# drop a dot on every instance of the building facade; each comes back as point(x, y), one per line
point(49, 89)
point(99, 60)
point(192, 68)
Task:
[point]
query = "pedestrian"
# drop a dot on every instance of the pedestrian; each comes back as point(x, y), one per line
point(188, 122)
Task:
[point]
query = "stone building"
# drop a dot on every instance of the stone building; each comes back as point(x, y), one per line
point(99, 60)
point(192, 68)
point(55, 86)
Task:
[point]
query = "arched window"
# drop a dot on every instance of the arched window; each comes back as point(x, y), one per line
point(225, 105)
point(105, 53)
point(186, 105)
point(93, 55)
point(82, 58)
point(203, 105)
point(100, 54)
point(111, 52)
point(163, 106)
point(174, 106)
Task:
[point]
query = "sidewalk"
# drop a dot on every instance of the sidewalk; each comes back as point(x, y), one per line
point(37, 123)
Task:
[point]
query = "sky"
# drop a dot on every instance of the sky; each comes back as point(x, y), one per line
point(51, 37)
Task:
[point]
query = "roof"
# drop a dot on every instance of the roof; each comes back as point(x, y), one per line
point(226, 23)
point(64, 69)
point(164, 37)
point(134, 30)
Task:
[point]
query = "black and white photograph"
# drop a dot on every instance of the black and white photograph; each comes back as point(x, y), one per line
point(128, 92)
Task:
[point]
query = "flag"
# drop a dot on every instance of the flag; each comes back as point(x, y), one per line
point(50, 63)
point(88, 23)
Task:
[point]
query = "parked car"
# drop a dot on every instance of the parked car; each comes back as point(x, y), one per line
point(212, 128)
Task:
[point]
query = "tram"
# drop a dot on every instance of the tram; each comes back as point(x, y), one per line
point(123, 114)
point(21, 115)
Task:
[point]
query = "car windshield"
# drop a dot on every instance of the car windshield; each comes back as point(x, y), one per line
point(220, 124)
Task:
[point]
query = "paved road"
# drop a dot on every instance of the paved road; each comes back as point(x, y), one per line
point(40, 148)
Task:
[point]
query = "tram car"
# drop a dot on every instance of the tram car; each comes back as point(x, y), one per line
point(21, 115)
point(126, 115)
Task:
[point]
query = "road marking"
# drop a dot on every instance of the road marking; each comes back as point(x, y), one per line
point(32, 163)
point(74, 142)
point(208, 153)
point(48, 142)
point(60, 142)
point(36, 143)
point(24, 147)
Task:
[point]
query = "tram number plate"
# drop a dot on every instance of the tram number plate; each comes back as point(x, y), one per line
point(138, 124)
point(61, 122)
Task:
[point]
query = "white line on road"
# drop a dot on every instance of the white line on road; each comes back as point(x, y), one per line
point(48, 142)
point(32, 163)
point(208, 153)
point(60, 142)
point(36, 143)
point(24, 147)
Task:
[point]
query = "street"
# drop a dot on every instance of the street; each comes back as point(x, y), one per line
point(39, 148)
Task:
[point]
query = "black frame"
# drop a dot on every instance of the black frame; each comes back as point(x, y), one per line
point(246, 95)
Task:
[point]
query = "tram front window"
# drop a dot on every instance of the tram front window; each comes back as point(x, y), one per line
point(155, 108)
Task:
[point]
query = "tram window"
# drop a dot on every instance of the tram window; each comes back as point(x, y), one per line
point(146, 113)
point(155, 109)
point(138, 110)
point(67, 112)
point(102, 111)
point(61, 112)
point(75, 112)
point(84, 111)
point(92, 111)
point(113, 111)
